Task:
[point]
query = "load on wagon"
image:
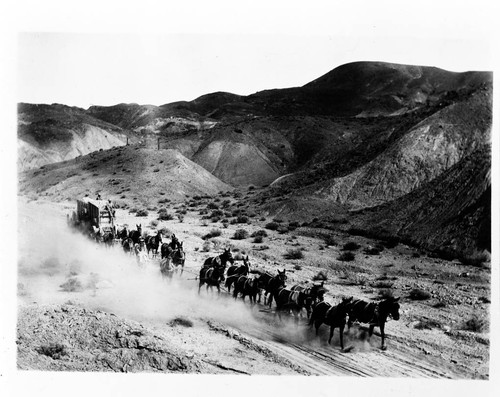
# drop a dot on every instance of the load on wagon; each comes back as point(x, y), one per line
point(94, 217)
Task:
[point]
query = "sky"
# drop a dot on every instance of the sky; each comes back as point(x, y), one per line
point(106, 69)
point(179, 53)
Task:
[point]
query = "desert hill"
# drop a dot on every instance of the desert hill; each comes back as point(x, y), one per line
point(425, 152)
point(132, 174)
point(449, 215)
point(365, 135)
point(52, 133)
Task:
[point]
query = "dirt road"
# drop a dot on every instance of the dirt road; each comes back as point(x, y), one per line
point(229, 336)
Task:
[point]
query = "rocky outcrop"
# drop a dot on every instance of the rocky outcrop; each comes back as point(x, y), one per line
point(72, 338)
point(433, 146)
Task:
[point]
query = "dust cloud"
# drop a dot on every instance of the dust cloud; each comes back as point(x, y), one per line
point(57, 265)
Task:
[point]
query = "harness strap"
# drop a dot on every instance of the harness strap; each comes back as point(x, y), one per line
point(328, 311)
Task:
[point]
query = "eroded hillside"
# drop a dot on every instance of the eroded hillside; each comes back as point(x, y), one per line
point(365, 135)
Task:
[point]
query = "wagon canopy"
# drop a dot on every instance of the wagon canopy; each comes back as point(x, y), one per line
point(97, 213)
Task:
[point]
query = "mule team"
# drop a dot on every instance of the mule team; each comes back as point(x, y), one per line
point(253, 283)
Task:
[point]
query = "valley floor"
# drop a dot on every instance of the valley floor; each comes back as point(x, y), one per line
point(123, 317)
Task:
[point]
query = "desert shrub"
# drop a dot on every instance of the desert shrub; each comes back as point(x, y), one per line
point(262, 218)
point(320, 276)
point(72, 285)
point(180, 217)
point(427, 323)
point(240, 234)
point(272, 226)
point(182, 321)
point(51, 266)
point(225, 223)
point(212, 206)
point(371, 251)
point(483, 299)
point(164, 215)
point(217, 244)
point(242, 219)
point(258, 239)
point(207, 246)
point(391, 242)
point(439, 304)
point(474, 324)
point(297, 267)
point(53, 350)
point(213, 233)
point(225, 203)
point(329, 241)
point(282, 229)
point(382, 284)
point(218, 213)
point(142, 212)
point(347, 256)
point(385, 293)
point(153, 223)
point(294, 253)
point(351, 246)
point(132, 210)
point(477, 259)
point(415, 255)
point(417, 294)
point(260, 232)
point(203, 212)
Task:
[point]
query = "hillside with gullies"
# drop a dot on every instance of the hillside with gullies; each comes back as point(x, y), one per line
point(53, 133)
point(377, 143)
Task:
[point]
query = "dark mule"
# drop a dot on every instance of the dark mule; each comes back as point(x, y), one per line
point(270, 284)
point(166, 268)
point(166, 250)
point(288, 300)
point(334, 316)
point(108, 239)
point(314, 295)
point(211, 276)
point(235, 271)
point(179, 257)
point(128, 246)
point(123, 233)
point(135, 235)
point(220, 260)
point(247, 286)
point(153, 243)
point(375, 314)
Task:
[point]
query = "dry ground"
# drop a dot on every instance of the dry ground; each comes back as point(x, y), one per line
point(443, 336)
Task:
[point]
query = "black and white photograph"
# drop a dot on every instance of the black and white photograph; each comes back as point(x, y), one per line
point(259, 193)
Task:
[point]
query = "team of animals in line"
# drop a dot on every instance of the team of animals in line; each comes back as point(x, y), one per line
point(253, 283)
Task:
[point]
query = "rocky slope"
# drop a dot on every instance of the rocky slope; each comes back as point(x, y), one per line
point(130, 172)
point(365, 135)
point(72, 338)
point(425, 152)
point(53, 133)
